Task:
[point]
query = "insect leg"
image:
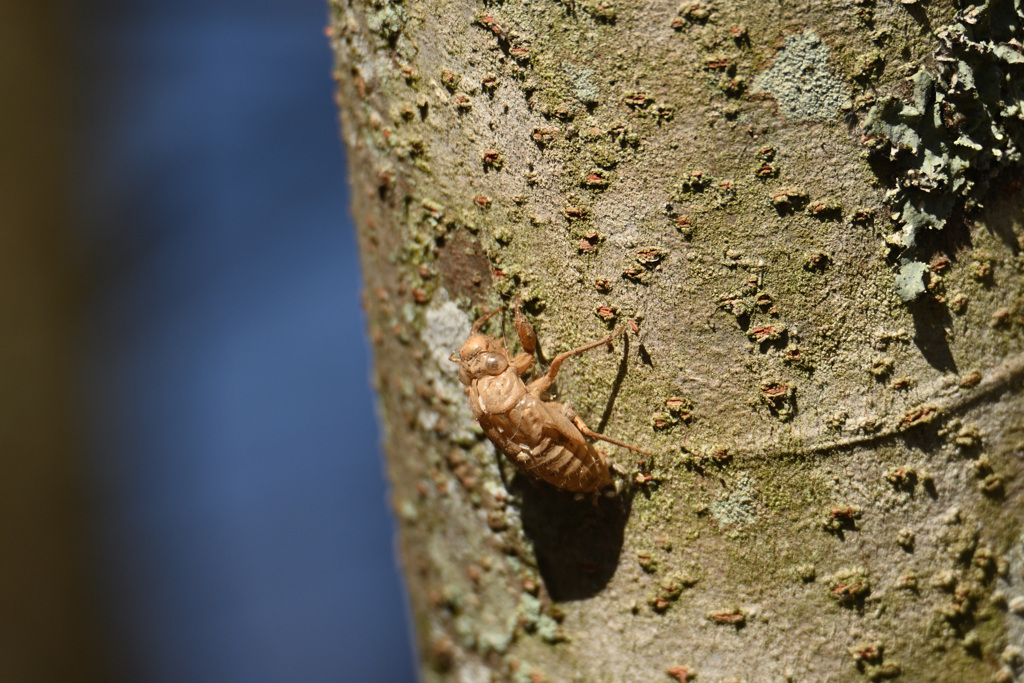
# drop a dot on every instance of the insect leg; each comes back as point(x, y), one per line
point(541, 384)
point(587, 431)
point(522, 363)
point(527, 335)
point(479, 324)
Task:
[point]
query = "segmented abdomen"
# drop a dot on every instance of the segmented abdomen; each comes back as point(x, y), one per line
point(570, 464)
point(572, 471)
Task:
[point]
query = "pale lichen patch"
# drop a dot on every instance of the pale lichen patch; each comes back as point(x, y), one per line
point(445, 328)
point(738, 507)
point(582, 82)
point(800, 80)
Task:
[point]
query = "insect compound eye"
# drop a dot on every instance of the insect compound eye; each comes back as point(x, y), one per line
point(493, 363)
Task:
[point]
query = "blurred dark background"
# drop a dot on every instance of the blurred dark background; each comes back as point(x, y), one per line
point(191, 484)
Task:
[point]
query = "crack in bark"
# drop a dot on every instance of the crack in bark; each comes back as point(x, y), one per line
point(955, 399)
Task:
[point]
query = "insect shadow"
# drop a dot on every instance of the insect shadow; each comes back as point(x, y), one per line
point(577, 544)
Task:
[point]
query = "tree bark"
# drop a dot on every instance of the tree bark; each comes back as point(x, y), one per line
point(810, 219)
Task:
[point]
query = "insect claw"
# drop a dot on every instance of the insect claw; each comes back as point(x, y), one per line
point(452, 357)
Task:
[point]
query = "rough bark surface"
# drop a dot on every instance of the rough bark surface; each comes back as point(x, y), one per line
point(824, 286)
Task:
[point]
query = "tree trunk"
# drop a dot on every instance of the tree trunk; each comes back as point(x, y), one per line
point(809, 218)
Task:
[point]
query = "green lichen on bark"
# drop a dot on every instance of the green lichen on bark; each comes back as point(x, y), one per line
point(940, 149)
point(612, 164)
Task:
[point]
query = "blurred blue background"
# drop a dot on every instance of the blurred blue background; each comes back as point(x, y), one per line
point(233, 470)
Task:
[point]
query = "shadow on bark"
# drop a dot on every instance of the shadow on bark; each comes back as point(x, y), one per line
point(620, 375)
point(576, 543)
point(931, 321)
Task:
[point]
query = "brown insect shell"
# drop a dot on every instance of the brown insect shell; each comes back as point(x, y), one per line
point(534, 434)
